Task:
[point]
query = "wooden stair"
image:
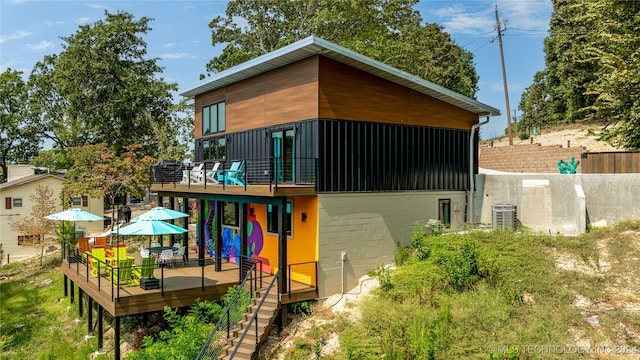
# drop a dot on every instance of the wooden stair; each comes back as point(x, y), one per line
point(247, 349)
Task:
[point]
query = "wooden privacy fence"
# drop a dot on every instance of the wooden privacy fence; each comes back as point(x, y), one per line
point(610, 162)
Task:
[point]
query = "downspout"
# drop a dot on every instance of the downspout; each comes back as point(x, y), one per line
point(470, 214)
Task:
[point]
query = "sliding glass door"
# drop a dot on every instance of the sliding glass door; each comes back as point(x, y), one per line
point(283, 153)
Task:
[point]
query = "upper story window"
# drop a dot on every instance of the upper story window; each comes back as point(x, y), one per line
point(214, 118)
point(273, 219)
point(214, 149)
point(17, 202)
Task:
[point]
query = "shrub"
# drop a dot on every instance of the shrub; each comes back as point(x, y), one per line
point(435, 227)
point(418, 241)
point(524, 136)
point(462, 266)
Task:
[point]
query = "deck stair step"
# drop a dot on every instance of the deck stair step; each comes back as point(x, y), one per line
point(265, 319)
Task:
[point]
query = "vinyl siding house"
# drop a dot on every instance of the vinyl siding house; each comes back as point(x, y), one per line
point(342, 155)
point(17, 205)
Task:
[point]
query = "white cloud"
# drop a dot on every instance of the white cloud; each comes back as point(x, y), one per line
point(83, 20)
point(53, 23)
point(41, 46)
point(181, 55)
point(168, 45)
point(20, 34)
point(479, 18)
point(96, 6)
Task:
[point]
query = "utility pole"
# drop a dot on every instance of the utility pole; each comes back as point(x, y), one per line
point(504, 77)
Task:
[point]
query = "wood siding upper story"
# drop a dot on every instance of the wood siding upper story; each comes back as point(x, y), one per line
point(318, 87)
point(281, 96)
point(351, 94)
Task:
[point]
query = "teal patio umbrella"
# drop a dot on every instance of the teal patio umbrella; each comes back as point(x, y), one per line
point(74, 214)
point(160, 213)
point(151, 227)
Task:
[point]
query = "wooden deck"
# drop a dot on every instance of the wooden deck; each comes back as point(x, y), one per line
point(182, 286)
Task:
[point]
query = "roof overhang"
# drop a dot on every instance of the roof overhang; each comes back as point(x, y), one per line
point(311, 46)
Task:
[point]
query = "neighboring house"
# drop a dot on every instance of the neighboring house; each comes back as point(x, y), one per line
point(341, 156)
point(16, 205)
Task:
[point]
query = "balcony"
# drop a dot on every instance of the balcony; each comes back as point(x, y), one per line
point(179, 284)
point(258, 177)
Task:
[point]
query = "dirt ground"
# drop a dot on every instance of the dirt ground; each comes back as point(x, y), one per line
point(569, 136)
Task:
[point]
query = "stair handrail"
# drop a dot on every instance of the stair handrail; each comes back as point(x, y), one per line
point(273, 282)
point(224, 323)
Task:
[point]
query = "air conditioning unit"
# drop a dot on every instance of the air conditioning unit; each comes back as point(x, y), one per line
point(504, 216)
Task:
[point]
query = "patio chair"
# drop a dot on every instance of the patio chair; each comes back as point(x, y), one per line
point(119, 253)
point(197, 174)
point(179, 255)
point(154, 245)
point(235, 174)
point(121, 272)
point(100, 241)
point(166, 256)
point(85, 248)
point(212, 174)
point(145, 270)
point(97, 259)
point(144, 253)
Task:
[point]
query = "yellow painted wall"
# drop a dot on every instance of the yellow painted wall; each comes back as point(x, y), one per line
point(302, 245)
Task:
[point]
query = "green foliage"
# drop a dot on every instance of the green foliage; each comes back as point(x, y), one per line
point(524, 136)
point(302, 307)
point(418, 241)
point(101, 88)
point(389, 31)
point(18, 139)
point(592, 70)
point(435, 227)
point(462, 266)
point(383, 274)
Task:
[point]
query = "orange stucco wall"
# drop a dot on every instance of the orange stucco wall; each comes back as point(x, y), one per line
point(302, 245)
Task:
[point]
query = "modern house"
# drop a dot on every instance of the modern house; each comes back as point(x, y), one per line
point(313, 163)
point(340, 154)
point(22, 183)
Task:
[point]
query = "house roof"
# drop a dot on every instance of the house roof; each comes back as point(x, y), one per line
point(26, 179)
point(311, 46)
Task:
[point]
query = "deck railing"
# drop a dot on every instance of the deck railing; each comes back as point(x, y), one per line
point(107, 274)
point(312, 273)
point(231, 315)
point(257, 171)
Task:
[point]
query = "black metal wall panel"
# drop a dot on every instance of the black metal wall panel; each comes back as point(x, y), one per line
point(361, 157)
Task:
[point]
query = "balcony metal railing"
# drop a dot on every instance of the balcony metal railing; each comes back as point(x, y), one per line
point(308, 268)
point(231, 315)
point(107, 274)
point(257, 171)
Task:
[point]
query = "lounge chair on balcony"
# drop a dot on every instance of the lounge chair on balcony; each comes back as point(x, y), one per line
point(144, 271)
point(212, 174)
point(235, 174)
point(195, 175)
point(121, 272)
point(97, 259)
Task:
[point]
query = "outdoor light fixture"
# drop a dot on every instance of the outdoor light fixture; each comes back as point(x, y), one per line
point(304, 217)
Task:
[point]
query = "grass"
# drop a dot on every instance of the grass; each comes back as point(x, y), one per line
point(519, 301)
point(38, 322)
point(513, 295)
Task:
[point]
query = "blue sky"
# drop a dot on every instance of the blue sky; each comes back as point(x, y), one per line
point(181, 38)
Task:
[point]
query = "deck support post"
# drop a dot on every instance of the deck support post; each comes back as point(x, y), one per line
point(100, 330)
point(79, 302)
point(282, 246)
point(72, 293)
point(172, 206)
point(116, 338)
point(160, 203)
point(244, 210)
point(219, 217)
point(201, 232)
point(185, 225)
point(89, 316)
point(66, 290)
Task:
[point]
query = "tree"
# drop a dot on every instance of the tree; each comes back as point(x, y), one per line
point(175, 137)
point(390, 31)
point(101, 88)
point(18, 140)
point(38, 230)
point(614, 52)
point(100, 172)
